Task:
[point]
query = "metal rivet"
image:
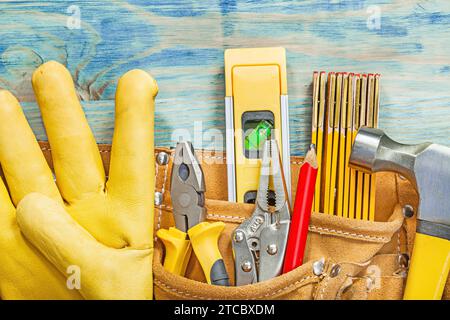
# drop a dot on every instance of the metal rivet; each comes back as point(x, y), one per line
point(184, 200)
point(335, 271)
point(246, 266)
point(318, 267)
point(408, 211)
point(162, 158)
point(272, 249)
point(158, 198)
point(238, 236)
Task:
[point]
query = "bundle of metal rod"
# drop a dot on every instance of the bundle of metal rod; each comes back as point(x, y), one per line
point(343, 102)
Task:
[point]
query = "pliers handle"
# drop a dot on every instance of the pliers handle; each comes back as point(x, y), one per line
point(191, 232)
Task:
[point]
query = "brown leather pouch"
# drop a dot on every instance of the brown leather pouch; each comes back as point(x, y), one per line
point(345, 258)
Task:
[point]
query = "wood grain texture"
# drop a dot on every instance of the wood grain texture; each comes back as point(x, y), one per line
point(182, 42)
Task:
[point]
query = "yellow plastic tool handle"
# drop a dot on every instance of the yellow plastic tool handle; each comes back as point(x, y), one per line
point(430, 264)
point(204, 240)
point(178, 250)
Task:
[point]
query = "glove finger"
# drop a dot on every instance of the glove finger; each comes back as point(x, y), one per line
point(5, 202)
point(76, 158)
point(47, 225)
point(23, 163)
point(104, 273)
point(131, 173)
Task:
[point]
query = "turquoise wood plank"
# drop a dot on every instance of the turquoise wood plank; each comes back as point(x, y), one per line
point(182, 42)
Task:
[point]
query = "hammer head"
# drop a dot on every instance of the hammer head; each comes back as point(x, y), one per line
point(426, 165)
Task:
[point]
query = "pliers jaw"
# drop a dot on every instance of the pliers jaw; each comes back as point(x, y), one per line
point(271, 167)
point(273, 245)
point(187, 188)
point(259, 243)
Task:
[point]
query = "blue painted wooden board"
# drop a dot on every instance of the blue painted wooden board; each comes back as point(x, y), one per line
point(182, 42)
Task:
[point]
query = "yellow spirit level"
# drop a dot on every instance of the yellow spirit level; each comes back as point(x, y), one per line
point(256, 104)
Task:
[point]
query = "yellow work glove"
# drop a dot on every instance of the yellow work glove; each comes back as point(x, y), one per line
point(103, 229)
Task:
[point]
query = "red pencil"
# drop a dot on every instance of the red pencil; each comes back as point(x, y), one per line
point(302, 212)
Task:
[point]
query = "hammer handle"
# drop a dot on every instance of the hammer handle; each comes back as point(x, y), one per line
point(430, 264)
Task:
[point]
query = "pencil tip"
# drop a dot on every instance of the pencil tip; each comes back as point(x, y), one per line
point(311, 156)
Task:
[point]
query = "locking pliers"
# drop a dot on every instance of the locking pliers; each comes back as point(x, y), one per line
point(259, 243)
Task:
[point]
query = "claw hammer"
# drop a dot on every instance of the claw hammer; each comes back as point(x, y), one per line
point(427, 166)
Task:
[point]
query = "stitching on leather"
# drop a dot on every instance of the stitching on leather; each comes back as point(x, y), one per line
point(182, 293)
point(358, 235)
point(171, 155)
point(163, 189)
point(311, 227)
point(156, 172)
point(396, 184)
point(100, 151)
point(158, 225)
point(296, 283)
point(210, 215)
point(186, 294)
point(225, 217)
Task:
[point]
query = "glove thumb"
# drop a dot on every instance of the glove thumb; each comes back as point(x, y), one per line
point(97, 271)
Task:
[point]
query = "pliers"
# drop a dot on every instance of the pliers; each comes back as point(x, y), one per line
point(259, 243)
point(191, 232)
